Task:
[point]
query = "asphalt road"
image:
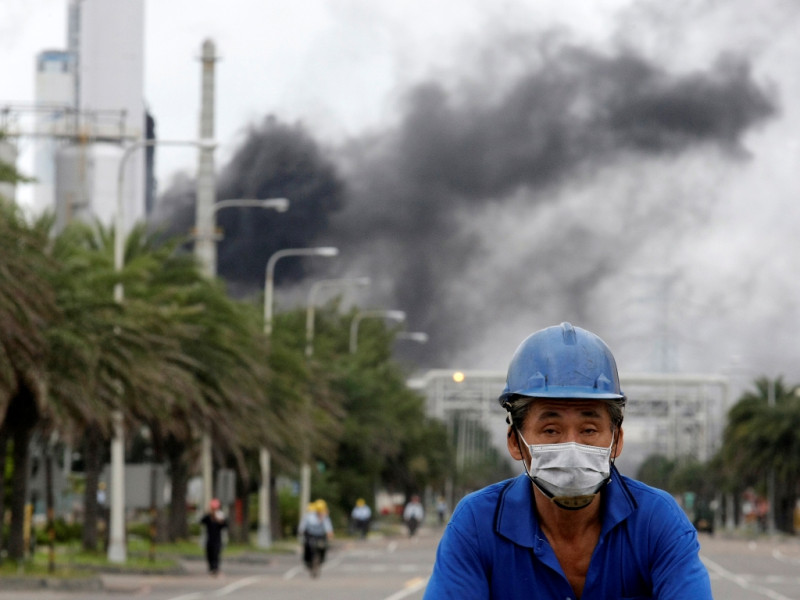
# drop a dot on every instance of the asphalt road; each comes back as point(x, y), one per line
point(373, 569)
point(398, 569)
point(752, 569)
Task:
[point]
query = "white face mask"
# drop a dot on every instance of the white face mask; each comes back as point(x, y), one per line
point(570, 474)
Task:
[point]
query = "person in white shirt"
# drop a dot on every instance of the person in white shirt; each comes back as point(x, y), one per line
point(316, 529)
point(413, 515)
point(361, 515)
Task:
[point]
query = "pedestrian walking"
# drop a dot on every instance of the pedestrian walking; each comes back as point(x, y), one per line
point(214, 522)
point(361, 516)
point(413, 514)
point(316, 530)
point(441, 510)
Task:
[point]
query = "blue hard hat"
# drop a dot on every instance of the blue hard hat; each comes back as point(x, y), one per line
point(562, 362)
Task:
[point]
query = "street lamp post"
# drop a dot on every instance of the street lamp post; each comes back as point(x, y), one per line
point(415, 336)
point(316, 287)
point(119, 238)
point(264, 534)
point(117, 550)
point(394, 315)
point(268, 285)
point(207, 235)
point(310, 306)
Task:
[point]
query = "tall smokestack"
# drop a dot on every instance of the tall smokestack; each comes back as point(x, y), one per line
point(204, 248)
point(204, 208)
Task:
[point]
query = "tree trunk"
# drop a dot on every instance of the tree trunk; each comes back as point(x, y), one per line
point(240, 532)
point(21, 418)
point(160, 517)
point(50, 504)
point(3, 457)
point(244, 530)
point(177, 528)
point(19, 492)
point(785, 502)
point(93, 462)
point(275, 524)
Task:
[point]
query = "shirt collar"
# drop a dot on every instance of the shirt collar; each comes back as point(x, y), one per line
point(516, 517)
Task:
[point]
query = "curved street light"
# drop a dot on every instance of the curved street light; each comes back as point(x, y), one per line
point(268, 285)
point(279, 204)
point(119, 243)
point(206, 236)
point(394, 315)
point(117, 550)
point(310, 305)
point(415, 336)
point(316, 287)
point(264, 539)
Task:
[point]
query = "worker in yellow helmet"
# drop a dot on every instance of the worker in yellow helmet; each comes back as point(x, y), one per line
point(361, 516)
point(316, 529)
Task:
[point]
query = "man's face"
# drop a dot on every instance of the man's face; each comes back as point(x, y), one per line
point(557, 421)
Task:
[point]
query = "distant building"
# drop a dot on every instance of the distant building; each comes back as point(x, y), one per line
point(89, 106)
point(110, 100)
point(667, 413)
point(55, 96)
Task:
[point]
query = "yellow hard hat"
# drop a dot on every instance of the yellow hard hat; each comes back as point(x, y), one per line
point(321, 504)
point(360, 502)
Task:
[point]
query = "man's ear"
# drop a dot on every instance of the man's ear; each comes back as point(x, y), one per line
point(617, 450)
point(512, 442)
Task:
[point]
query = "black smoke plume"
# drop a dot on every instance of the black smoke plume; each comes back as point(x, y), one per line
point(494, 206)
point(275, 160)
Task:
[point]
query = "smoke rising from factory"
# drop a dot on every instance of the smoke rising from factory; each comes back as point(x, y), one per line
point(547, 180)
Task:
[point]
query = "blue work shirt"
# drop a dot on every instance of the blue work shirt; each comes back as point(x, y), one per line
point(494, 547)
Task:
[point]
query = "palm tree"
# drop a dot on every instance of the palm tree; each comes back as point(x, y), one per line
point(27, 304)
point(219, 353)
point(762, 437)
point(174, 356)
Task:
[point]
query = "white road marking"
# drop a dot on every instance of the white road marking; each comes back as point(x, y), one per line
point(411, 586)
point(741, 581)
point(778, 555)
point(236, 585)
point(293, 571)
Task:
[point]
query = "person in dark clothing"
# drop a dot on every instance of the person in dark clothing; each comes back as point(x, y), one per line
point(214, 521)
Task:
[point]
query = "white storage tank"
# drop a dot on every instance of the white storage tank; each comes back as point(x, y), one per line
point(111, 90)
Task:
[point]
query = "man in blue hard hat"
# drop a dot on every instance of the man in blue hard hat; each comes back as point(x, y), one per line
point(570, 526)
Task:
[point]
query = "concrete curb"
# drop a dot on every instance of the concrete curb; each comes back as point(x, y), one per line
point(93, 583)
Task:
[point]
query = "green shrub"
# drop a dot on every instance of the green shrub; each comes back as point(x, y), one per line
point(64, 532)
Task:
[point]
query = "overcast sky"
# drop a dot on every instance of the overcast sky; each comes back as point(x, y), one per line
point(337, 65)
point(676, 241)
